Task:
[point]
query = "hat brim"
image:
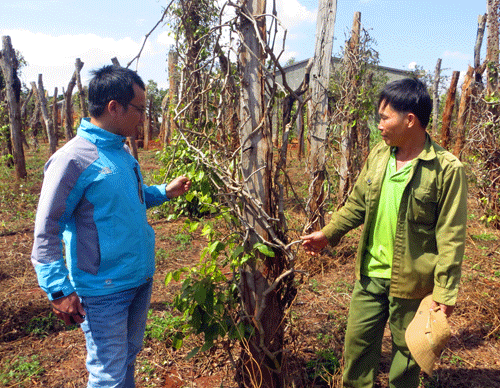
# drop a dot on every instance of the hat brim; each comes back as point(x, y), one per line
point(427, 335)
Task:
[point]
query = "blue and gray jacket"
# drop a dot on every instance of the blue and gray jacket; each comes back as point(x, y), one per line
point(94, 200)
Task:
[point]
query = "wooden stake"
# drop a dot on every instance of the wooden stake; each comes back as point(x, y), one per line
point(9, 66)
point(49, 125)
point(477, 47)
point(318, 111)
point(463, 111)
point(448, 110)
point(435, 97)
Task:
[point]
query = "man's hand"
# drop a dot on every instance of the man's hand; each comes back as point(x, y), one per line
point(313, 243)
point(447, 310)
point(69, 309)
point(178, 186)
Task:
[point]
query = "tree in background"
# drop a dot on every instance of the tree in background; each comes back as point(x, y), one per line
point(9, 65)
point(482, 141)
point(355, 86)
point(318, 112)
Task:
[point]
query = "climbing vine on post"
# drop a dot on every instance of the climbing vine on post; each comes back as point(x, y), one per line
point(244, 283)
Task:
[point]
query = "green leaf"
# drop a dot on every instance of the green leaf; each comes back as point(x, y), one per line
point(193, 226)
point(200, 294)
point(237, 252)
point(215, 248)
point(193, 353)
point(176, 275)
point(206, 346)
point(264, 249)
point(197, 318)
point(207, 229)
point(177, 342)
point(168, 278)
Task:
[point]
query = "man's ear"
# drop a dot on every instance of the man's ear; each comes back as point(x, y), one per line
point(113, 107)
point(412, 120)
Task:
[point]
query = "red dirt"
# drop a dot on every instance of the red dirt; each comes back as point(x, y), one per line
point(316, 320)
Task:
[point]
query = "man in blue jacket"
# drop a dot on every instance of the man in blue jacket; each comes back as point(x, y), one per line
point(93, 198)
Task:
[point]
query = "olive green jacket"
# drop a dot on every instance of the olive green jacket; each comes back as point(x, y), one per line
point(430, 233)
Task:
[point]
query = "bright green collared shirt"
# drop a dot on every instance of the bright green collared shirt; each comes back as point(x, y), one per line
point(380, 249)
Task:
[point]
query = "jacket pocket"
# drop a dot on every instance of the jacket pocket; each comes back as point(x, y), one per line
point(422, 206)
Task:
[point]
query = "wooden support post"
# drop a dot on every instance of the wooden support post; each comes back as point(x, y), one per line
point(148, 122)
point(435, 97)
point(9, 65)
point(318, 111)
point(49, 125)
point(68, 103)
point(463, 111)
point(55, 113)
point(165, 117)
point(349, 133)
point(173, 79)
point(84, 111)
point(492, 51)
point(448, 110)
point(477, 48)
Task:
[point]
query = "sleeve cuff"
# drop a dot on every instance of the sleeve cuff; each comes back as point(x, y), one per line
point(66, 290)
point(444, 295)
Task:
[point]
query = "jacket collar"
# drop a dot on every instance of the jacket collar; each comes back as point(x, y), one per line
point(429, 151)
point(99, 136)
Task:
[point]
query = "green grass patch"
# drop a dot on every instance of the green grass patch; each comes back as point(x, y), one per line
point(21, 371)
point(44, 325)
point(165, 328)
point(20, 197)
point(484, 237)
point(321, 369)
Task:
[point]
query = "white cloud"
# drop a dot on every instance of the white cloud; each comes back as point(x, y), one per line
point(291, 13)
point(457, 55)
point(45, 50)
point(54, 56)
point(412, 65)
point(165, 39)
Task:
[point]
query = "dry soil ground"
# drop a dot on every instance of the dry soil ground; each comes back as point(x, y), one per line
point(38, 351)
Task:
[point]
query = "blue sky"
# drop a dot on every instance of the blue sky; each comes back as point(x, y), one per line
point(51, 34)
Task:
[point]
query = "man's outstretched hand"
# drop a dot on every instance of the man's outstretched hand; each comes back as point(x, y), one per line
point(313, 243)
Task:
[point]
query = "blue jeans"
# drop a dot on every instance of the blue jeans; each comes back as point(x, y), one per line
point(114, 332)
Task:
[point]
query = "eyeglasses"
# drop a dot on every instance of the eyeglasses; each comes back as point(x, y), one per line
point(140, 109)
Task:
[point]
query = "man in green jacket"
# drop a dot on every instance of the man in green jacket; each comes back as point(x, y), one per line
point(411, 197)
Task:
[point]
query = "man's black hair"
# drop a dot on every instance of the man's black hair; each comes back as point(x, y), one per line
point(408, 95)
point(112, 82)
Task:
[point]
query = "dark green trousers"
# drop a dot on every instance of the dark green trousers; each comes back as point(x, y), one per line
point(371, 307)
